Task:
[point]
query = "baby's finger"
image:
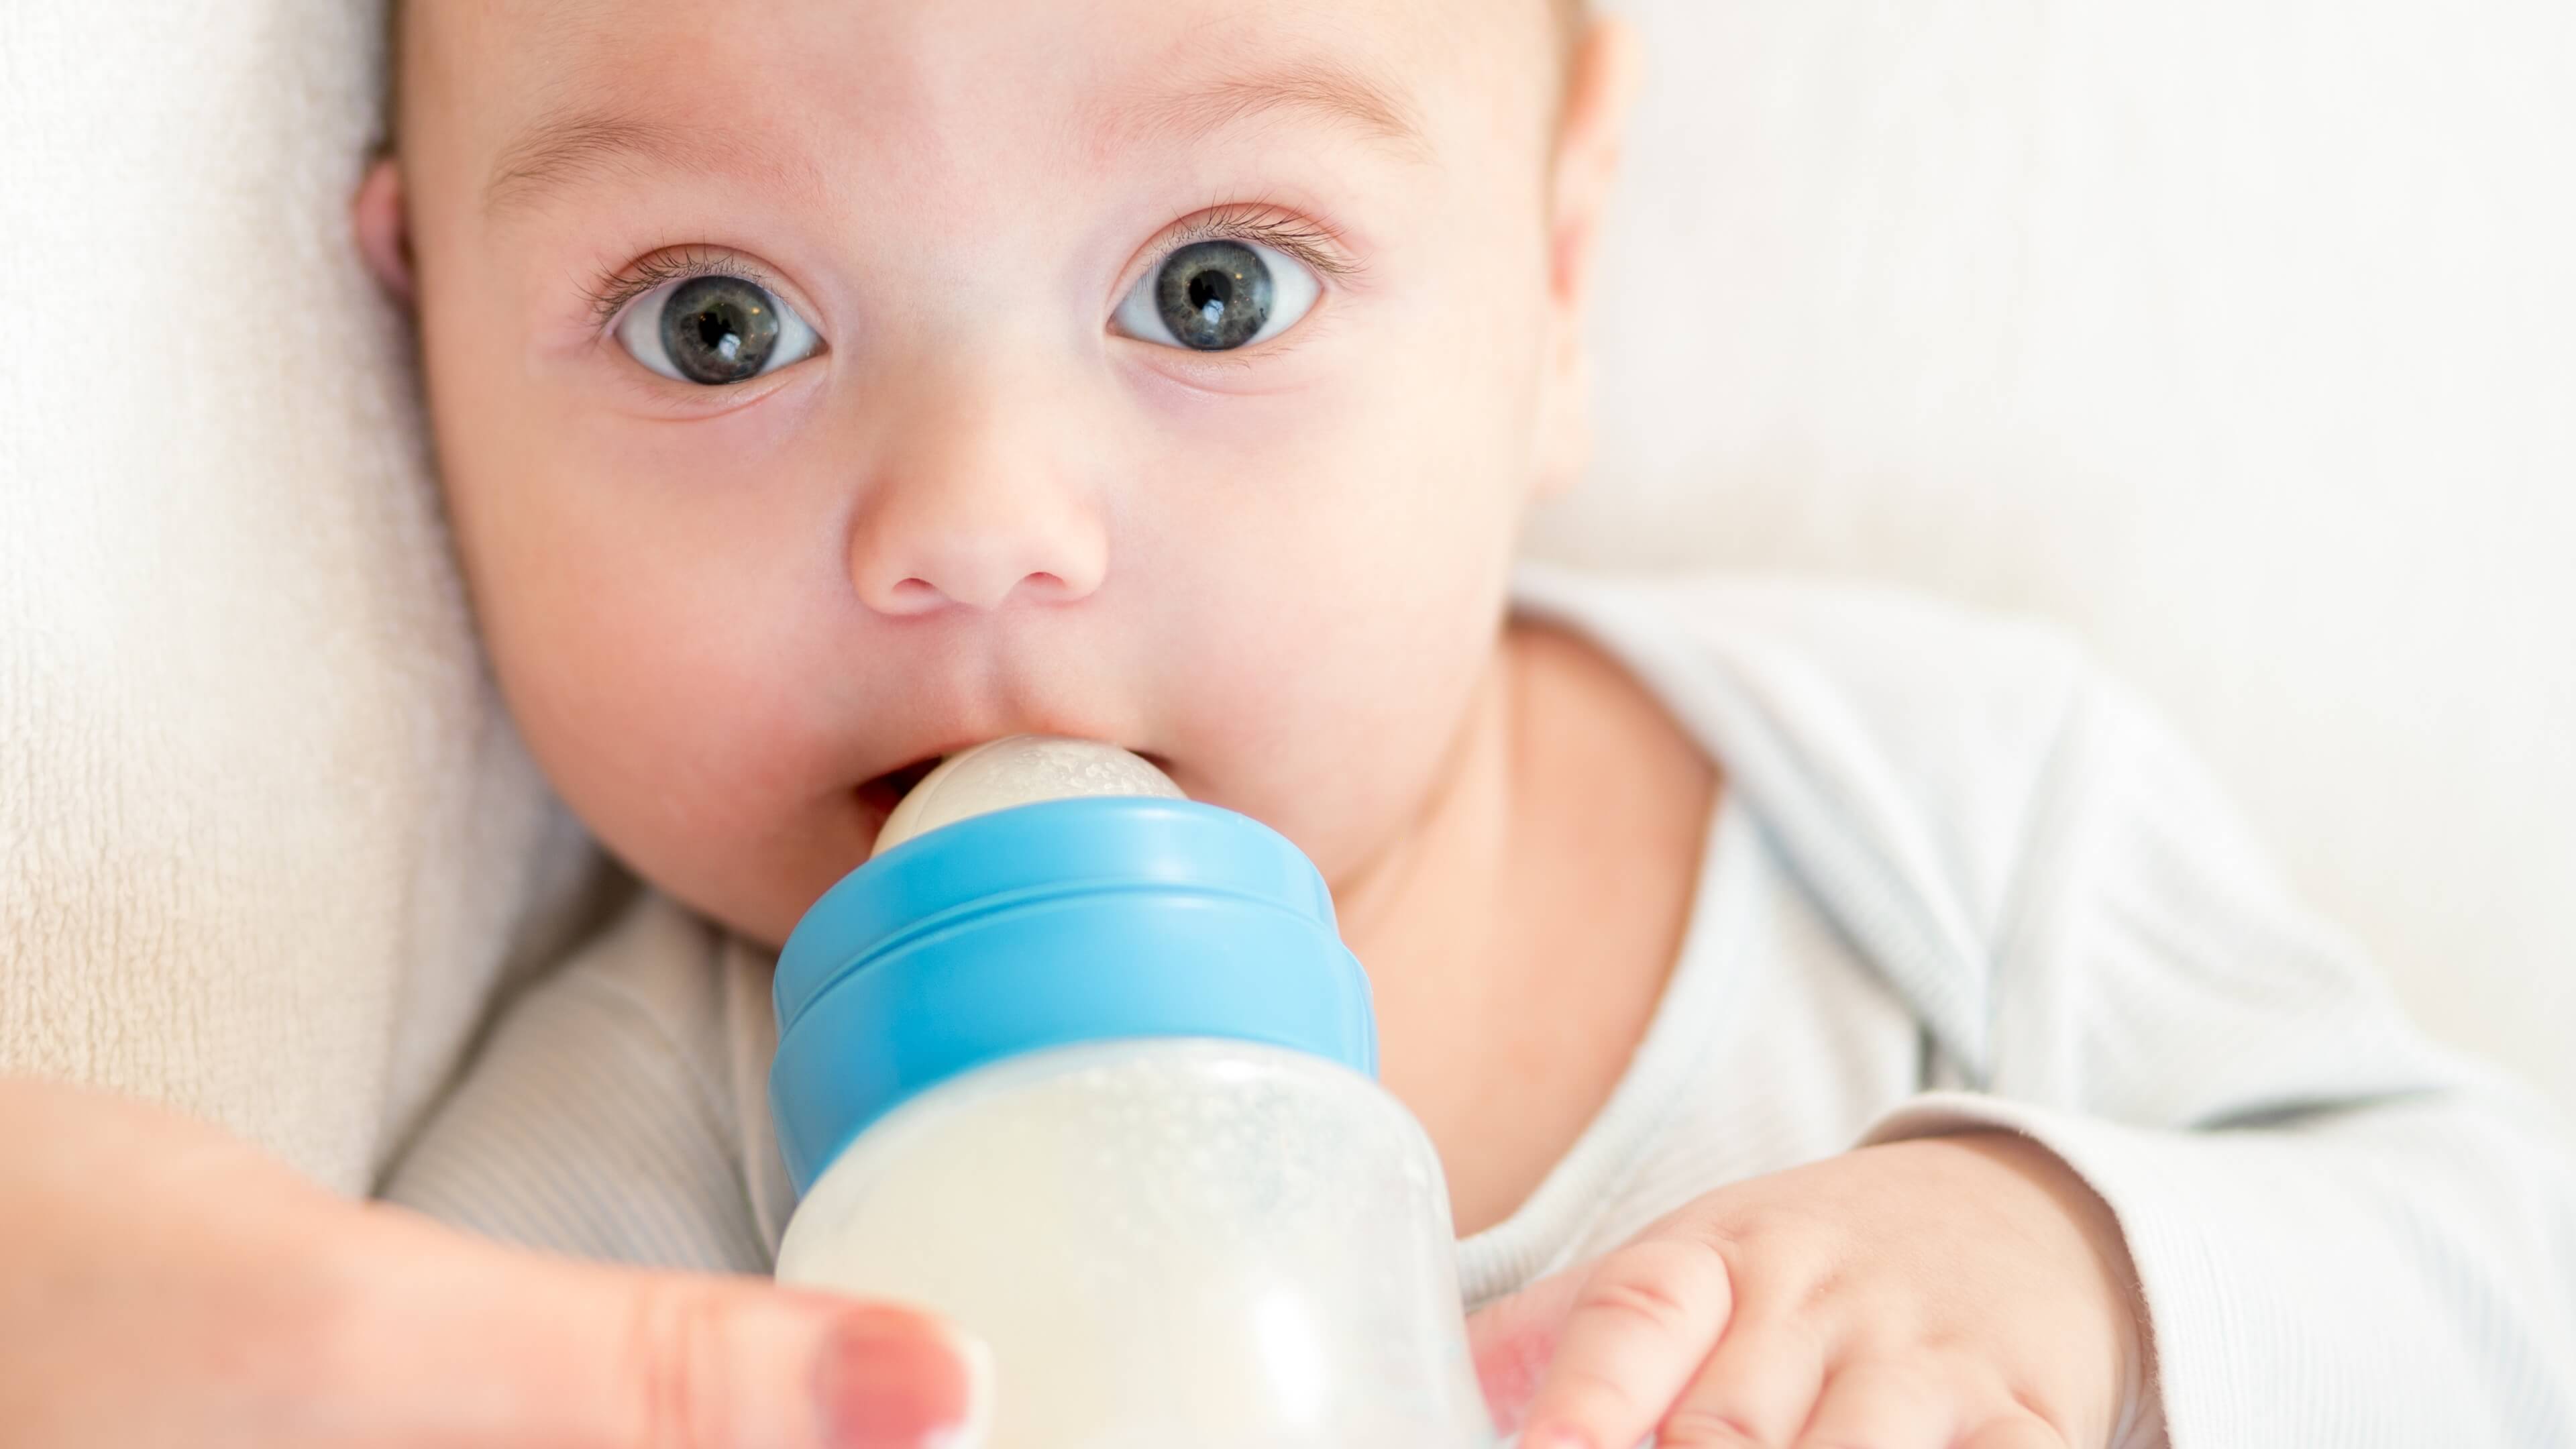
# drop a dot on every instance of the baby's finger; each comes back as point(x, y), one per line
point(1641, 1326)
point(2022, 1430)
point(1514, 1338)
point(1884, 1406)
point(1756, 1389)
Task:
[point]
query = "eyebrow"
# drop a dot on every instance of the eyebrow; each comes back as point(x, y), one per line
point(568, 148)
point(1325, 89)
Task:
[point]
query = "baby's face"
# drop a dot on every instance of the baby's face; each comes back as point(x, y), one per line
point(822, 386)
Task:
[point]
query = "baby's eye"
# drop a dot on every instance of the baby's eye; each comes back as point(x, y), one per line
point(714, 330)
point(1214, 296)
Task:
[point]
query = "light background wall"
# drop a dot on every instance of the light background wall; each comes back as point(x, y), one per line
point(2239, 334)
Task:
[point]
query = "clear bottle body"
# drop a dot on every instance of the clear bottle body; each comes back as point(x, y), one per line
point(1170, 1244)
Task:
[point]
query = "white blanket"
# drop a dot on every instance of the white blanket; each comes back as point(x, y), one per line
point(2233, 331)
point(264, 833)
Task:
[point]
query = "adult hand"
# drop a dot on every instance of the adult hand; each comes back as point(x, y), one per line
point(164, 1284)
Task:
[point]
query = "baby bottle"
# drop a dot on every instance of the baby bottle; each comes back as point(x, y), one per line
point(1084, 1066)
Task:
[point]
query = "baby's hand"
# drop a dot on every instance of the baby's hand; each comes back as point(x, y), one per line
point(1960, 1291)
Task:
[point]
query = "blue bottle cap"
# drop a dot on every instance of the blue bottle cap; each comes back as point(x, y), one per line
point(1048, 925)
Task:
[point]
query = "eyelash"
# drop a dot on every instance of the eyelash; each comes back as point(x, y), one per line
point(1261, 222)
point(611, 291)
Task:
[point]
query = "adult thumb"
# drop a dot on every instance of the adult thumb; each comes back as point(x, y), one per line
point(519, 1351)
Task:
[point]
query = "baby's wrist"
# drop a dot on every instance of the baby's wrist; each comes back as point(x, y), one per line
point(2124, 1304)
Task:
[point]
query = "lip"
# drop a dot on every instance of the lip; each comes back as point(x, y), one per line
point(940, 749)
point(878, 794)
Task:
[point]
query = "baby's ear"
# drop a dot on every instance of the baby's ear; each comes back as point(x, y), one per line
point(1601, 83)
point(383, 230)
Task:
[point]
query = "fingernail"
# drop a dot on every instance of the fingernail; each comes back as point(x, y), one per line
point(895, 1380)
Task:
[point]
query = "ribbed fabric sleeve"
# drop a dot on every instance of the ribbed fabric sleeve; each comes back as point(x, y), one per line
point(601, 1122)
point(2345, 1235)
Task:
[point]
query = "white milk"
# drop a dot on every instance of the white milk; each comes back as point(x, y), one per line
point(1175, 1244)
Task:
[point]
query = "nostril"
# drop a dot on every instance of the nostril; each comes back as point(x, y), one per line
point(917, 594)
point(914, 593)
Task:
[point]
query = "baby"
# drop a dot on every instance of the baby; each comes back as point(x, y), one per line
point(1843, 1021)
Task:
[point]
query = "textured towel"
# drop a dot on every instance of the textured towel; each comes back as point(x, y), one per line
point(265, 836)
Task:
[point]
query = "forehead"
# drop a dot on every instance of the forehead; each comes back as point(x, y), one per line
point(949, 75)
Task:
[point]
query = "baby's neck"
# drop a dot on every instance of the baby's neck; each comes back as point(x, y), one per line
point(1519, 934)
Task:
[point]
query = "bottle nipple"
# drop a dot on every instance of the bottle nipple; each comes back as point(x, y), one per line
point(1019, 770)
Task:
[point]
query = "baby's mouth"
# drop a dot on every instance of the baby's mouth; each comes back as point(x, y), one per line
point(886, 791)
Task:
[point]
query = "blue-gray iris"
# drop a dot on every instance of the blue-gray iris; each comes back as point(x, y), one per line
point(718, 330)
point(1214, 295)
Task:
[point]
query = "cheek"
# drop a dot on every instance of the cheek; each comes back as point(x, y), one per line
point(1331, 563)
point(635, 700)
point(1327, 714)
point(639, 622)
point(666, 724)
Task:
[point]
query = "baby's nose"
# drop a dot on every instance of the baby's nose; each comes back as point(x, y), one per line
point(975, 517)
point(926, 570)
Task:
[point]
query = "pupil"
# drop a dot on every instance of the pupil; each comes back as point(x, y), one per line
point(1214, 295)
